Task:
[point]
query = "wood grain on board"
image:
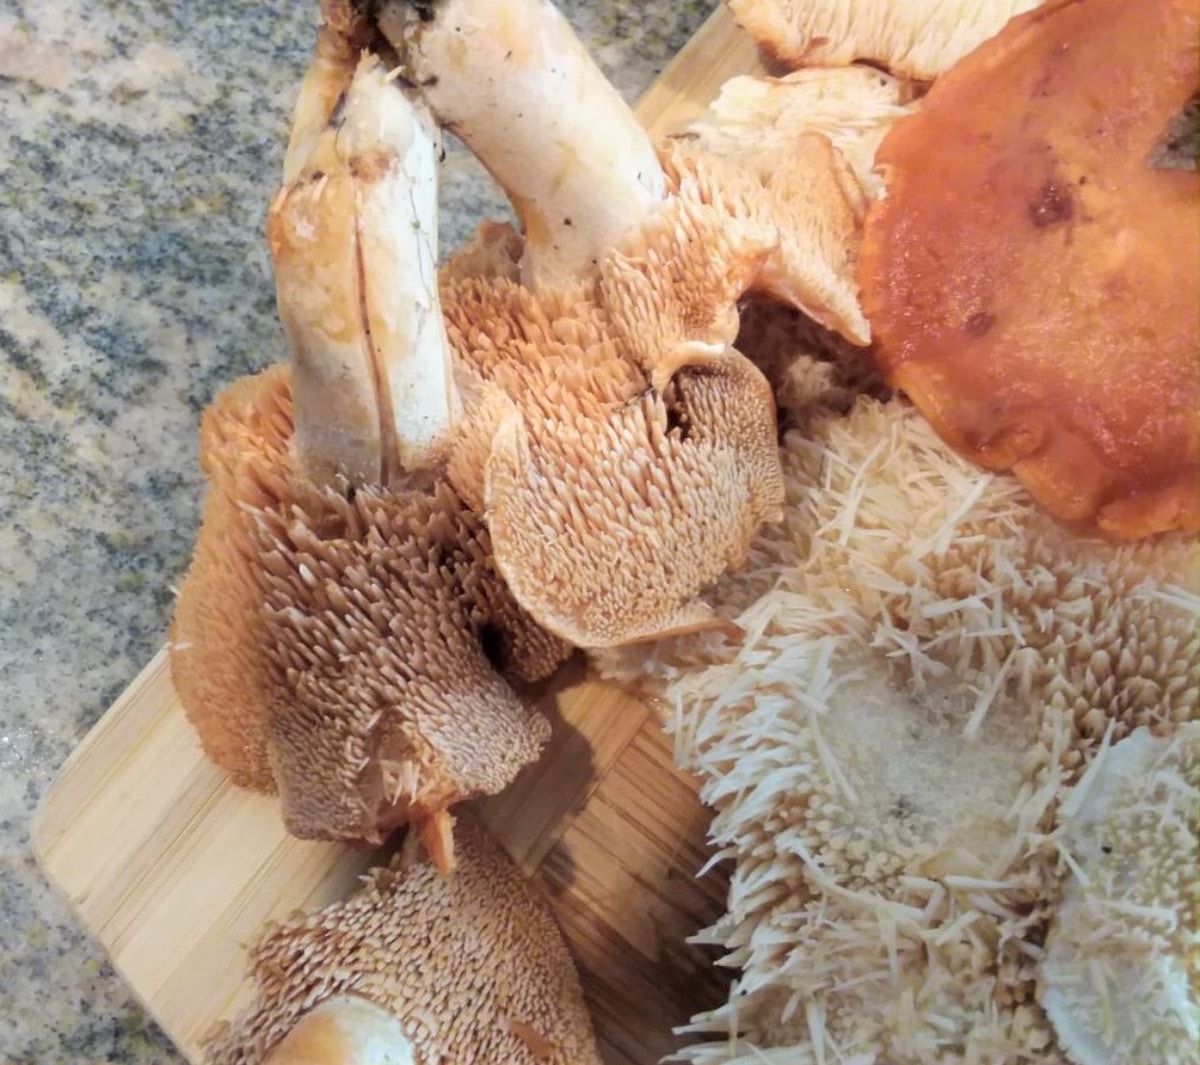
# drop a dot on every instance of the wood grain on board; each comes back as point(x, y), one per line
point(174, 871)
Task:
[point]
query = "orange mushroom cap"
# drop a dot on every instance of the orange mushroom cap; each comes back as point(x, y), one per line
point(1032, 281)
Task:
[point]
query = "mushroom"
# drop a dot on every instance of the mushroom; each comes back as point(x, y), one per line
point(1120, 977)
point(916, 40)
point(416, 968)
point(853, 107)
point(611, 494)
point(930, 662)
point(1031, 280)
point(342, 635)
point(608, 325)
point(808, 142)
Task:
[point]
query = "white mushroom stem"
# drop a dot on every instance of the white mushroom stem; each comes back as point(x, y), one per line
point(514, 82)
point(353, 238)
point(346, 1030)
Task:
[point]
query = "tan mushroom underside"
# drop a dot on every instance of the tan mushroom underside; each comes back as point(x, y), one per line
point(473, 966)
point(216, 630)
point(630, 453)
point(912, 38)
point(342, 646)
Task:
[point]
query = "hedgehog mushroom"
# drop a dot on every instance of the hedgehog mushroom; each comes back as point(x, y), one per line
point(415, 969)
point(917, 40)
point(1120, 979)
point(935, 662)
point(637, 433)
point(1031, 279)
point(342, 633)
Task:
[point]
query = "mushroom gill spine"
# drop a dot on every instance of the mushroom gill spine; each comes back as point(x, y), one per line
point(514, 82)
point(353, 240)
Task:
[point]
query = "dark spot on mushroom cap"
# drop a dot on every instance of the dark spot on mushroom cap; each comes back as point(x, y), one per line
point(979, 323)
point(1051, 205)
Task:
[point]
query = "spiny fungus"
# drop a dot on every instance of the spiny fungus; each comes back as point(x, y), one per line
point(468, 968)
point(342, 635)
point(633, 428)
point(1120, 977)
point(928, 664)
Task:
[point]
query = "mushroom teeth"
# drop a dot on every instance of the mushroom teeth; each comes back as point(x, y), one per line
point(473, 966)
point(214, 643)
point(348, 648)
point(851, 106)
point(1031, 280)
point(932, 662)
point(1120, 977)
point(625, 467)
point(794, 157)
point(914, 38)
point(614, 549)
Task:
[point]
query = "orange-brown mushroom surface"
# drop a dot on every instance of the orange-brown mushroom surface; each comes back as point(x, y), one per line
point(343, 636)
point(348, 648)
point(617, 480)
point(471, 968)
point(1032, 282)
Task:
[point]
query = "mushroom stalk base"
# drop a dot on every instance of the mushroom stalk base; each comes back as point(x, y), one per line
point(346, 1030)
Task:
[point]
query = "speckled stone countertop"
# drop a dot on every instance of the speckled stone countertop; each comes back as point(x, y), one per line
point(140, 143)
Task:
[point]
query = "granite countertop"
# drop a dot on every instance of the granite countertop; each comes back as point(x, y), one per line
point(140, 143)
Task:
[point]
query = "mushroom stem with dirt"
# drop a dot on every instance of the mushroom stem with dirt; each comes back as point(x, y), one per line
point(513, 81)
point(353, 236)
point(342, 636)
point(511, 78)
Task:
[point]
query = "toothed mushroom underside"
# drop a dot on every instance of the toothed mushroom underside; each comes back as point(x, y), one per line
point(929, 664)
point(917, 39)
point(622, 451)
point(472, 967)
point(1120, 978)
point(638, 455)
point(343, 636)
point(344, 646)
point(625, 464)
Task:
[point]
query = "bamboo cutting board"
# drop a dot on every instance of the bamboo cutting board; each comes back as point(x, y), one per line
point(173, 870)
